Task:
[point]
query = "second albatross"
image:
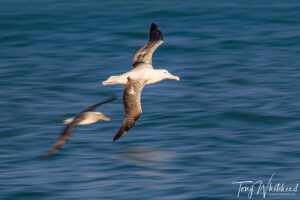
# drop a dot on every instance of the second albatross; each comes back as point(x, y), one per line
point(87, 116)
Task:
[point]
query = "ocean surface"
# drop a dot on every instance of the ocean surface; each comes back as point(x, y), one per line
point(234, 115)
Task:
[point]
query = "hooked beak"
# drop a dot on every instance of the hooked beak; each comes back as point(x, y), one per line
point(103, 117)
point(174, 77)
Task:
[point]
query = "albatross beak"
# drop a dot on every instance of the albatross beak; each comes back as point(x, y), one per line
point(174, 77)
point(103, 117)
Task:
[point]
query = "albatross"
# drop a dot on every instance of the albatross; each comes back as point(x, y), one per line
point(87, 116)
point(141, 74)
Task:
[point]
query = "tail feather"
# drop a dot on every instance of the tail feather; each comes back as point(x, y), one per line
point(67, 121)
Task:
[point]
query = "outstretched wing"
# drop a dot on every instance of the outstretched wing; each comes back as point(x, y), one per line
point(132, 105)
point(93, 107)
point(67, 132)
point(144, 55)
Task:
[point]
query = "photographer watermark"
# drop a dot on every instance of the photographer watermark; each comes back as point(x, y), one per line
point(270, 188)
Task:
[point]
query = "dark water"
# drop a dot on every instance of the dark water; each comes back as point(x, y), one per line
point(235, 114)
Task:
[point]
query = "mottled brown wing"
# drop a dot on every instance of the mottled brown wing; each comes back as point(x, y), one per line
point(93, 107)
point(132, 105)
point(67, 132)
point(144, 55)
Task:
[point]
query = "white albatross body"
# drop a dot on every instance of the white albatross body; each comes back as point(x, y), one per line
point(143, 72)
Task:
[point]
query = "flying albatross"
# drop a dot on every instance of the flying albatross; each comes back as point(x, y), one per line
point(87, 116)
point(141, 74)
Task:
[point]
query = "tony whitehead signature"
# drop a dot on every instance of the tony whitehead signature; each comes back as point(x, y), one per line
point(272, 189)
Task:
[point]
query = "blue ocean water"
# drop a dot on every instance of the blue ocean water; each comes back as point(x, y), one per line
point(233, 116)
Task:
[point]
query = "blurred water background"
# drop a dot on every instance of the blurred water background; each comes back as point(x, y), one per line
point(235, 114)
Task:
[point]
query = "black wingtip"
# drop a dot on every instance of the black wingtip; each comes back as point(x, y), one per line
point(117, 136)
point(155, 33)
point(46, 156)
point(114, 97)
point(154, 26)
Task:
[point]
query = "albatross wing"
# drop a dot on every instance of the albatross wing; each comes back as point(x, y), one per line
point(67, 132)
point(132, 105)
point(144, 55)
point(93, 107)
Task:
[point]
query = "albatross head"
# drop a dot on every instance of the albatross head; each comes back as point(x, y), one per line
point(100, 115)
point(164, 74)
